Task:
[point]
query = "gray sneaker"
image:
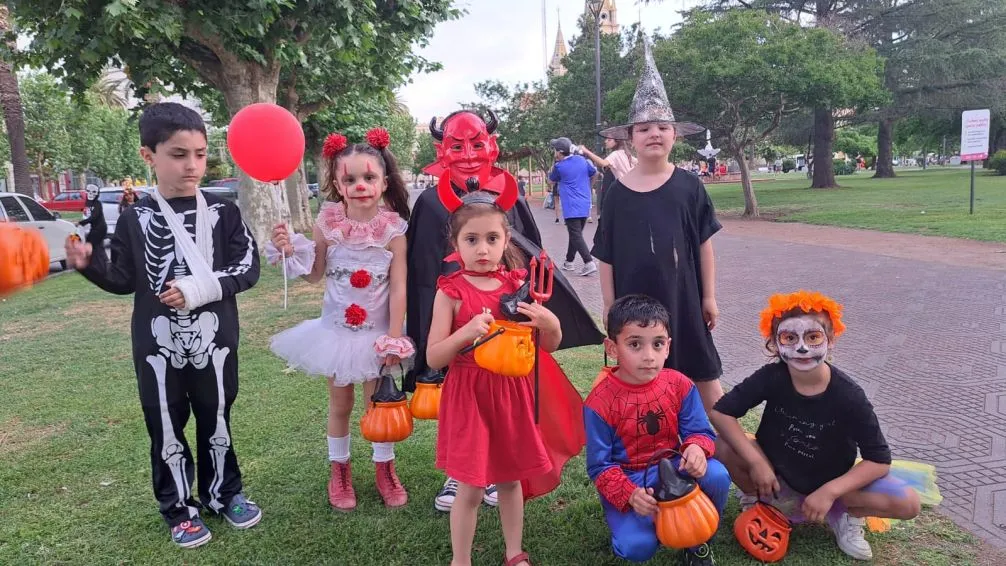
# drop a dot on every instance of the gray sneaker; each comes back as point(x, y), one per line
point(242, 513)
point(568, 266)
point(191, 533)
point(589, 268)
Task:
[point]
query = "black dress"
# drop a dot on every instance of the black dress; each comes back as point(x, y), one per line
point(652, 241)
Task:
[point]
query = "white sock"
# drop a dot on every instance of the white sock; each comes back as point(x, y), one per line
point(338, 449)
point(383, 451)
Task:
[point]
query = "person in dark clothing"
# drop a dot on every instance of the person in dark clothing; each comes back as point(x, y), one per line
point(185, 256)
point(816, 419)
point(94, 216)
point(654, 237)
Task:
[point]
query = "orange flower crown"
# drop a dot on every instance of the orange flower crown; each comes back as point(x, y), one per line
point(807, 301)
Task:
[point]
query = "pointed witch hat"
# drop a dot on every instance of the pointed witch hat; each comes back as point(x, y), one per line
point(650, 103)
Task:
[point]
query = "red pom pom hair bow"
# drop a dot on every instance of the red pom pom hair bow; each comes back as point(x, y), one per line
point(334, 144)
point(378, 138)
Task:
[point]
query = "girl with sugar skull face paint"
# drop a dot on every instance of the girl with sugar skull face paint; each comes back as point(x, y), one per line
point(803, 459)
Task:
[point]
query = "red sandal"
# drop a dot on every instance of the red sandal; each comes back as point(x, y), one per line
point(522, 557)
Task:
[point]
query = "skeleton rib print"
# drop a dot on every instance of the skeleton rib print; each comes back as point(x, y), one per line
point(159, 248)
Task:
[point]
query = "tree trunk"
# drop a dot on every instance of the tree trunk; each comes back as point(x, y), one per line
point(13, 115)
point(750, 201)
point(262, 204)
point(824, 135)
point(885, 157)
point(298, 197)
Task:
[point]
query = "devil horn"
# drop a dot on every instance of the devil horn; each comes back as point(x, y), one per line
point(446, 194)
point(508, 197)
point(493, 122)
point(438, 134)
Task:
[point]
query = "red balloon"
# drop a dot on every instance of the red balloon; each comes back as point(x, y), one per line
point(266, 142)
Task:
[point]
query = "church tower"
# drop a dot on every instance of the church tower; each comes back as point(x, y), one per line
point(555, 67)
point(609, 17)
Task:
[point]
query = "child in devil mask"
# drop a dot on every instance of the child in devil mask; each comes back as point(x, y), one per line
point(816, 417)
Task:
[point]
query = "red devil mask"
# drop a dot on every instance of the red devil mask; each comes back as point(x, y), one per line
point(466, 146)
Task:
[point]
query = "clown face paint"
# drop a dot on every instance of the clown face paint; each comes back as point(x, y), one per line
point(802, 342)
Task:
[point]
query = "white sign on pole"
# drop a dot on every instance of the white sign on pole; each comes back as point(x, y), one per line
point(975, 135)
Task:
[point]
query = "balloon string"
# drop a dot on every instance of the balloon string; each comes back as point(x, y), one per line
point(277, 201)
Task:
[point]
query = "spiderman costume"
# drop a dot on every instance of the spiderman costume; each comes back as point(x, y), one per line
point(626, 425)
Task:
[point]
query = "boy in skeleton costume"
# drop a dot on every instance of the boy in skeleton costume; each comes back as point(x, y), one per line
point(185, 255)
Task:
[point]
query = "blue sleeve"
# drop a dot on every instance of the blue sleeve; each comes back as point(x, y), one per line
point(693, 423)
point(600, 441)
point(591, 170)
point(553, 174)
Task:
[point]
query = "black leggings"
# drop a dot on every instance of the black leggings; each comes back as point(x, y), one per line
point(574, 226)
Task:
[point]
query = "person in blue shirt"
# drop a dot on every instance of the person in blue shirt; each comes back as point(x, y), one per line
point(573, 173)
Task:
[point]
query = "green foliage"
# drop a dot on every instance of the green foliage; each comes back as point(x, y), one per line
point(788, 165)
point(324, 48)
point(47, 113)
point(216, 168)
point(683, 151)
point(843, 167)
point(998, 162)
point(425, 155)
point(855, 141)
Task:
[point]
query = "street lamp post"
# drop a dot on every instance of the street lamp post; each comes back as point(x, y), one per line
point(595, 9)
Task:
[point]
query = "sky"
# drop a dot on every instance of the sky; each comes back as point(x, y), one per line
point(502, 39)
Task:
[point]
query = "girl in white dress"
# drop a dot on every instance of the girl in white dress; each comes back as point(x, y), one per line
point(359, 249)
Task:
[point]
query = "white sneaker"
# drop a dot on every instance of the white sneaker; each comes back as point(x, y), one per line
point(849, 535)
point(445, 499)
point(489, 497)
point(588, 268)
point(568, 266)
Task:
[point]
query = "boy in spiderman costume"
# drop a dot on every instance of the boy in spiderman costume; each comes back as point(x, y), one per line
point(637, 409)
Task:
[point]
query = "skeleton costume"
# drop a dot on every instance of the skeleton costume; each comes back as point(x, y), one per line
point(186, 360)
point(94, 216)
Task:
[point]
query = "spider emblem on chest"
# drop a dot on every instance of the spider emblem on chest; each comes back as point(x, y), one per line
point(650, 421)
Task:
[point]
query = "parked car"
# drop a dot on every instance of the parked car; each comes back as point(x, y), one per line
point(19, 208)
point(70, 201)
point(231, 182)
point(229, 193)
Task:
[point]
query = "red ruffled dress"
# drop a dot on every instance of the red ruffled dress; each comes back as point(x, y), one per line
point(487, 432)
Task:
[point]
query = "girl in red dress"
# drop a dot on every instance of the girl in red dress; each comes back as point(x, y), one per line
point(487, 433)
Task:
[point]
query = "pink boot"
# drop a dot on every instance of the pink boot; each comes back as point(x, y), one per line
point(340, 488)
point(389, 486)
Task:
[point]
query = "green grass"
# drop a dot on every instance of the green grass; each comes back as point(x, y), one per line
point(933, 202)
point(75, 478)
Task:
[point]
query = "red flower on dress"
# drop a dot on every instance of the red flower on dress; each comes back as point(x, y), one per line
point(378, 138)
point(360, 279)
point(355, 315)
point(334, 144)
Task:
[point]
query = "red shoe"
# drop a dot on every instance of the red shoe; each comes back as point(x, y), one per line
point(340, 488)
point(389, 486)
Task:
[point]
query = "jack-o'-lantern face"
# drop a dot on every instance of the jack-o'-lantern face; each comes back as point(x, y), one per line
point(763, 532)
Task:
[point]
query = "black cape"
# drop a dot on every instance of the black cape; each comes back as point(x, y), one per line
point(96, 218)
point(428, 244)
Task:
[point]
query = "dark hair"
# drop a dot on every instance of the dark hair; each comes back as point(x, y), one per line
point(162, 120)
point(397, 195)
point(822, 317)
point(636, 309)
point(475, 207)
point(620, 144)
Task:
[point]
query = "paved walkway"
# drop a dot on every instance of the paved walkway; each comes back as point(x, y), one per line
point(926, 339)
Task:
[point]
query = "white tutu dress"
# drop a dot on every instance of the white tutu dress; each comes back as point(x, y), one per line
point(351, 338)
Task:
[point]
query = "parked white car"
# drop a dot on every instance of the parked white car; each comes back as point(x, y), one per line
point(26, 212)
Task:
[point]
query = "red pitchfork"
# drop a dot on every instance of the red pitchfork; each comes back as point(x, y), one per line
point(541, 291)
